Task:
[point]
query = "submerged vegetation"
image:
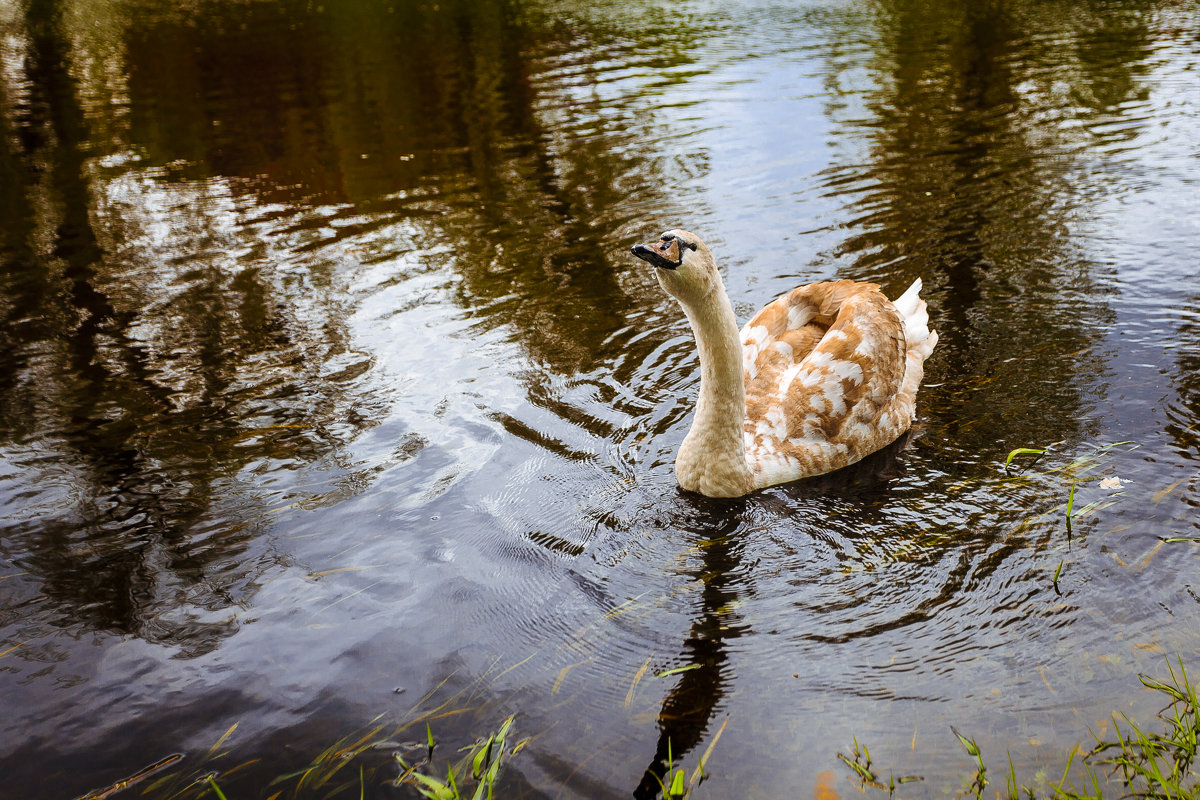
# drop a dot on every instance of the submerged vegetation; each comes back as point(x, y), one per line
point(678, 785)
point(480, 764)
point(471, 774)
point(1133, 762)
point(1091, 466)
point(1081, 469)
point(385, 756)
point(356, 765)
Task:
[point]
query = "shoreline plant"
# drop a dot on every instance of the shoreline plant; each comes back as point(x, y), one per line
point(1133, 762)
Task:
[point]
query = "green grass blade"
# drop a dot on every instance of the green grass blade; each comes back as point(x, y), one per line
point(480, 761)
point(968, 744)
point(676, 670)
point(432, 787)
point(213, 783)
point(1021, 451)
point(676, 790)
point(698, 772)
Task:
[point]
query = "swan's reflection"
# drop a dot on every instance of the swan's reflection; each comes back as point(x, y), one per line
point(690, 710)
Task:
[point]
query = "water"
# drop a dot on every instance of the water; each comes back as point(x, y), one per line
point(329, 390)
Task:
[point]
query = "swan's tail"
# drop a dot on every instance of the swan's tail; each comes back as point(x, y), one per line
point(920, 342)
point(919, 338)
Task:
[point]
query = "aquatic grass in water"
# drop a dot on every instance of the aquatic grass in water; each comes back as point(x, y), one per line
point(1154, 766)
point(325, 776)
point(1078, 470)
point(136, 778)
point(861, 764)
point(217, 789)
point(675, 671)
point(1159, 765)
point(473, 775)
point(481, 764)
point(677, 789)
point(1020, 451)
point(1075, 472)
point(483, 759)
point(979, 780)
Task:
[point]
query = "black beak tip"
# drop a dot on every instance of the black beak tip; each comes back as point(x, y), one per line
point(653, 256)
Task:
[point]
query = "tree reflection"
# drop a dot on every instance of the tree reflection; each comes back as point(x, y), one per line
point(1183, 415)
point(58, 289)
point(160, 366)
point(970, 185)
point(432, 113)
point(91, 368)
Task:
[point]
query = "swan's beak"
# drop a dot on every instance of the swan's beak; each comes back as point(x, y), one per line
point(663, 254)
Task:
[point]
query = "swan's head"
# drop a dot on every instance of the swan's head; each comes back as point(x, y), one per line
point(683, 265)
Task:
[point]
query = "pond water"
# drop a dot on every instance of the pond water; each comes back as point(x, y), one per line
point(331, 397)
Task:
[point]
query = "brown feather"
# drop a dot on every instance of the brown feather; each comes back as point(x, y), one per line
point(824, 389)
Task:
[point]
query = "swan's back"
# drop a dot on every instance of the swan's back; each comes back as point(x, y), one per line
point(831, 373)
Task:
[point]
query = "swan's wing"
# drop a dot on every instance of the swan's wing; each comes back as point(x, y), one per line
point(786, 330)
point(822, 365)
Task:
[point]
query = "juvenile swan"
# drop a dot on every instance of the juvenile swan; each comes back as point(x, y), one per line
point(819, 378)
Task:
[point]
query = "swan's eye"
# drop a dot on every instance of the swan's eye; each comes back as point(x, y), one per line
point(667, 238)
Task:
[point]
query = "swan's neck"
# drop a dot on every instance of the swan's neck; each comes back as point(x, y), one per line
point(712, 459)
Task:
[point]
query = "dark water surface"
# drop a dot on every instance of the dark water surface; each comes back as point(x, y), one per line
point(329, 390)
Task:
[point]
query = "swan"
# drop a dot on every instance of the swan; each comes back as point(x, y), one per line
point(818, 379)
